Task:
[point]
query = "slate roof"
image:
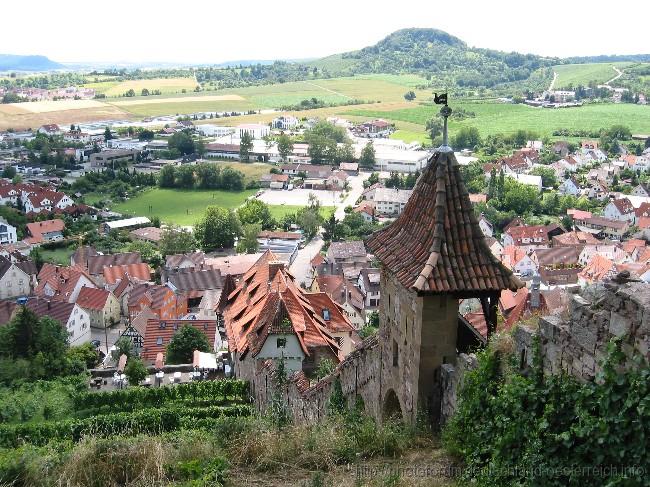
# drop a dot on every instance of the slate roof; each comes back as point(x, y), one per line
point(175, 260)
point(557, 255)
point(57, 310)
point(96, 263)
point(196, 280)
point(436, 245)
point(343, 250)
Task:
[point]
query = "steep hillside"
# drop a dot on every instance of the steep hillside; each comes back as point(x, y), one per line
point(12, 62)
point(436, 54)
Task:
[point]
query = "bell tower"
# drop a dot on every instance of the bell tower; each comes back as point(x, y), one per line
point(432, 255)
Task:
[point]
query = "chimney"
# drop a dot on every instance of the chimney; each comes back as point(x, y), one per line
point(534, 292)
point(49, 305)
point(274, 267)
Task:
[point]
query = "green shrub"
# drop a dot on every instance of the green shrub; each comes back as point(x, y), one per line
point(514, 429)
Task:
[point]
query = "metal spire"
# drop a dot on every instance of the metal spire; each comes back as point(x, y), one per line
point(445, 111)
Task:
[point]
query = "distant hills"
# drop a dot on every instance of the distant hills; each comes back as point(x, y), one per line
point(13, 62)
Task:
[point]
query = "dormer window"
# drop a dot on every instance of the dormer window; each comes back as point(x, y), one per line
point(159, 341)
point(163, 325)
point(281, 342)
point(326, 314)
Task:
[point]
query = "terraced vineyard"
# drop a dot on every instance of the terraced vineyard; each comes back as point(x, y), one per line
point(135, 411)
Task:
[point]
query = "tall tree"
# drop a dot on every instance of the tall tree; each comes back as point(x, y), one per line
point(176, 240)
point(256, 211)
point(367, 159)
point(248, 243)
point(182, 345)
point(217, 229)
point(107, 134)
point(285, 146)
point(245, 146)
point(167, 177)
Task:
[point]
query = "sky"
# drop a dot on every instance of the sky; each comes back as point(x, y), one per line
point(214, 31)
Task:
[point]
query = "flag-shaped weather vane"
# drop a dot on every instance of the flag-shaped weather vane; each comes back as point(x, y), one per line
point(445, 111)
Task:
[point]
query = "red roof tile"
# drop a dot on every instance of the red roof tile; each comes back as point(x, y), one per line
point(436, 245)
point(90, 298)
point(115, 273)
point(159, 333)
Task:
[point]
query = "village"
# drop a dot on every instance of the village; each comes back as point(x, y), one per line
point(101, 297)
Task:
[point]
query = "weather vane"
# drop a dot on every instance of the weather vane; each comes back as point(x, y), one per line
point(445, 111)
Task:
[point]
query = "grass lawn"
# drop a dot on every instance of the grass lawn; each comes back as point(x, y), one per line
point(278, 211)
point(582, 74)
point(182, 207)
point(500, 118)
point(252, 170)
point(57, 256)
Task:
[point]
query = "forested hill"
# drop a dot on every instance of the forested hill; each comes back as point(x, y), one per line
point(12, 62)
point(437, 54)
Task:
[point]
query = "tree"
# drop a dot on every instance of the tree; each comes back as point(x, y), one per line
point(256, 211)
point(123, 346)
point(248, 243)
point(208, 176)
point(107, 134)
point(367, 159)
point(331, 229)
point(218, 228)
point(146, 135)
point(519, 198)
point(548, 176)
point(182, 345)
point(182, 142)
point(232, 179)
point(135, 371)
point(245, 146)
point(409, 95)
point(9, 172)
point(175, 240)
point(144, 92)
point(185, 176)
point(85, 354)
point(285, 146)
point(148, 252)
point(167, 178)
point(434, 127)
point(467, 138)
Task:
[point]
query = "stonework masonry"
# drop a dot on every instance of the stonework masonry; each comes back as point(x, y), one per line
point(576, 344)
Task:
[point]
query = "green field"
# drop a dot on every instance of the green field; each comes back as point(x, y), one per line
point(165, 85)
point(500, 118)
point(57, 256)
point(582, 74)
point(182, 207)
point(278, 211)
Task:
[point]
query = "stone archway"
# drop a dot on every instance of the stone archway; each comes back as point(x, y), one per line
point(392, 409)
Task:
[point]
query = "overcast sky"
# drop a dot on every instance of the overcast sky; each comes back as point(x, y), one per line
point(212, 31)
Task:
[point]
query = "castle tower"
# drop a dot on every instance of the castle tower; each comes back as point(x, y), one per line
point(433, 255)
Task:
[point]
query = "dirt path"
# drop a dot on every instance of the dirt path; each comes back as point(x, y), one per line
point(618, 75)
point(550, 87)
point(327, 89)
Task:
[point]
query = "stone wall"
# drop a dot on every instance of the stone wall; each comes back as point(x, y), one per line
point(576, 344)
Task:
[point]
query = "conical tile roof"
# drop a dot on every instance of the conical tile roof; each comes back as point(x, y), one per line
point(436, 245)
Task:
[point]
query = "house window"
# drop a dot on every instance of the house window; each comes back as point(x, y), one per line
point(395, 353)
point(281, 342)
point(159, 341)
point(339, 341)
point(326, 314)
point(163, 325)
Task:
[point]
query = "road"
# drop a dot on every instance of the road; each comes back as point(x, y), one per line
point(356, 188)
point(301, 266)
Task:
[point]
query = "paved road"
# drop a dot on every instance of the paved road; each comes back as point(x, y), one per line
point(356, 188)
point(301, 266)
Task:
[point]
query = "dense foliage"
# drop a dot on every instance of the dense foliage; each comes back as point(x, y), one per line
point(529, 429)
point(201, 176)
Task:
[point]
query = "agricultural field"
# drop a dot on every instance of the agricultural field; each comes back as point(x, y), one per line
point(278, 211)
point(498, 118)
point(165, 85)
point(582, 74)
point(180, 206)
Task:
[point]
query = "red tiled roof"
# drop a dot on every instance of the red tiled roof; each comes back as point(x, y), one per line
point(97, 263)
point(264, 297)
point(159, 333)
point(139, 271)
point(60, 280)
point(90, 298)
point(632, 244)
point(623, 205)
point(280, 235)
point(37, 229)
point(598, 268)
point(643, 211)
point(436, 244)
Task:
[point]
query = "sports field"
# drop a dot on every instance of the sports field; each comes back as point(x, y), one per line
point(179, 206)
point(278, 211)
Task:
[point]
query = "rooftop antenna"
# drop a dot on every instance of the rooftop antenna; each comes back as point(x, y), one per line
point(445, 111)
